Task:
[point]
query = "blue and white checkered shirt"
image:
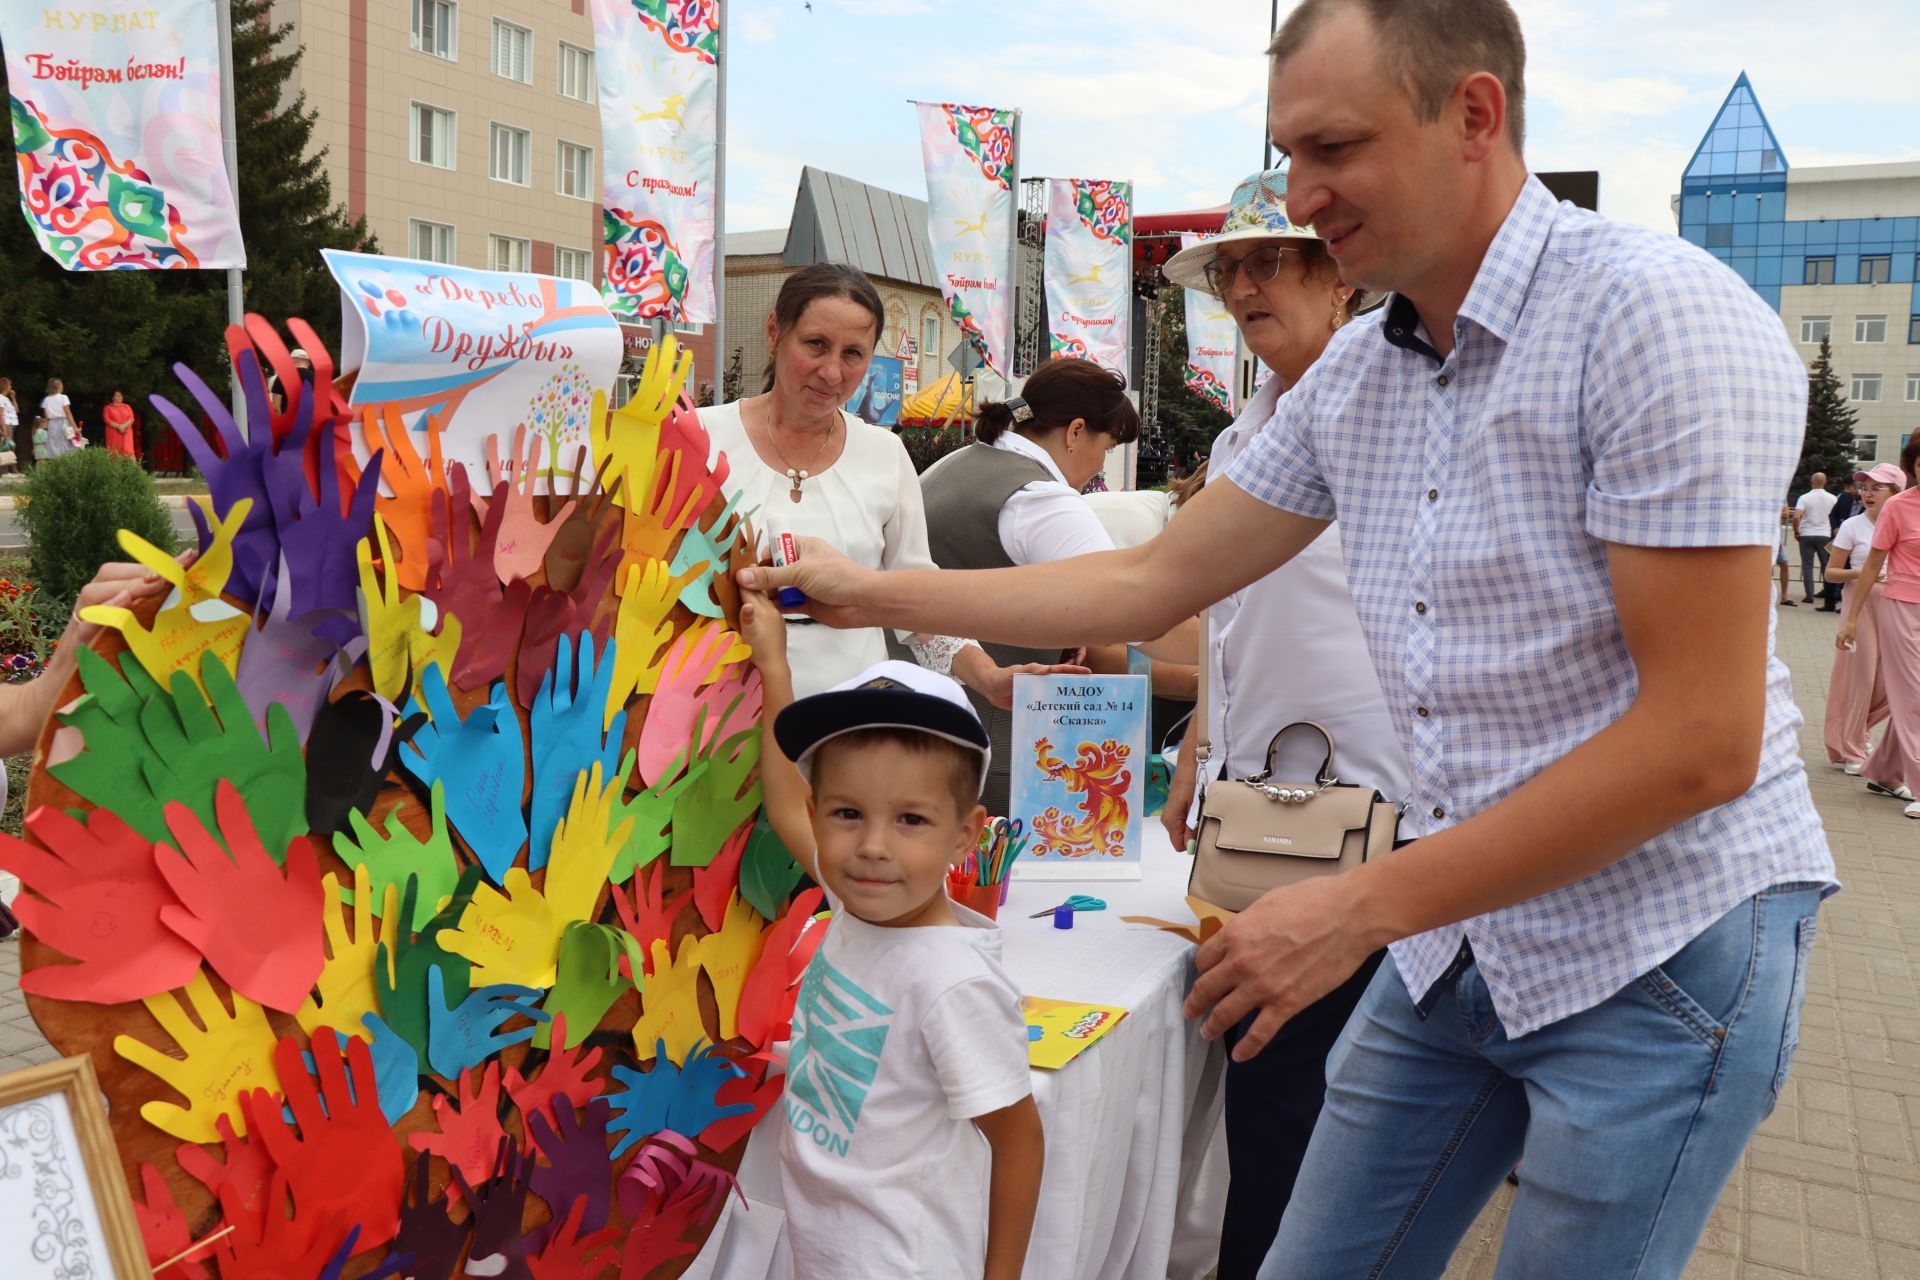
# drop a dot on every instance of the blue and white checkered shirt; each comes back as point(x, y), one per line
point(1608, 384)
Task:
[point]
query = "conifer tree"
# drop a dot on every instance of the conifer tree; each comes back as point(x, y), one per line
point(1830, 420)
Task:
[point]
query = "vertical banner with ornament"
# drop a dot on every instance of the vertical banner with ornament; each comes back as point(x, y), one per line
point(116, 133)
point(1089, 271)
point(658, 65)
point(1212, 343)
point(969, 155)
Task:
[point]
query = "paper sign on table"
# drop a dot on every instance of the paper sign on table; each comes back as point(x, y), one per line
point(1066, 1027)
point(1079, 762)
point(428, 337)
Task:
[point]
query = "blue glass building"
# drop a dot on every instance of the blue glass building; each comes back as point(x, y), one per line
point(1832, 249)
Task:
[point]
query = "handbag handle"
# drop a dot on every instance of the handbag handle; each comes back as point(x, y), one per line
point(1325, 774)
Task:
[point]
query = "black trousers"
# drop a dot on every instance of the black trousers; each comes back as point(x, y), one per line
point(1272, 1103)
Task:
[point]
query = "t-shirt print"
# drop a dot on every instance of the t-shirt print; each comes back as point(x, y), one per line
point(838, 1033)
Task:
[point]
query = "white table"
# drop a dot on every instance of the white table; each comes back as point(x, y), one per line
point(1136, 1166)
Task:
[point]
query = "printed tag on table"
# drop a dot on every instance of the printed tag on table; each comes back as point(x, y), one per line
point(1079, 768)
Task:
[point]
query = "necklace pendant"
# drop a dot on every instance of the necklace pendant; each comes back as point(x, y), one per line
point(793, 494)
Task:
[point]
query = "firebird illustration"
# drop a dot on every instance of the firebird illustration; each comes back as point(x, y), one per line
point(1100, 778)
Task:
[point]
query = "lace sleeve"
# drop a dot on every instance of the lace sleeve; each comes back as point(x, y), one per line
point(936, 653)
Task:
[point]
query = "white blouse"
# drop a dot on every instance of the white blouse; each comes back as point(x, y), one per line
point(57, 408)
point(1047, 520)
point(867, 504)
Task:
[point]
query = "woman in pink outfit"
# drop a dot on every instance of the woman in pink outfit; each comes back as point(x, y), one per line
point(1894, 767)
point(1857, 697)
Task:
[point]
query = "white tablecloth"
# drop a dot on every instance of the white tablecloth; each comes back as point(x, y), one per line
point(1135, 1167)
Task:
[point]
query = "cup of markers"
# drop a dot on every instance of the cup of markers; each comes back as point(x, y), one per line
point(981, 880)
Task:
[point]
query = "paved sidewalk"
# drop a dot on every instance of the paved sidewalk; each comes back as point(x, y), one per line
point(1830, 1186)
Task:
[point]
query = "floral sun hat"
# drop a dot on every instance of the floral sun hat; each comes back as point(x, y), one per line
point(1256, 211)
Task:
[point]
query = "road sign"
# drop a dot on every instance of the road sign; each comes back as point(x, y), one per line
point(963, 359)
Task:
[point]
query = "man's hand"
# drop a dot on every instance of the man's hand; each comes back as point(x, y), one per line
point(1280, 955)
point(832, 583)
point(979, 672)
point(1180, 796)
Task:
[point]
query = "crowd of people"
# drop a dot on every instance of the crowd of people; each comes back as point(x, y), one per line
point(34, 431)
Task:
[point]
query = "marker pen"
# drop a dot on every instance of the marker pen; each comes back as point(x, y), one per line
point(786, 550)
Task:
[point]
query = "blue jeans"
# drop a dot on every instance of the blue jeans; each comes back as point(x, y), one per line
point(1629, 1115)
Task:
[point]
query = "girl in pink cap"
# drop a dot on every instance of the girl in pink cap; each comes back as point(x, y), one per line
point(1857, 696)
point(1894, 767)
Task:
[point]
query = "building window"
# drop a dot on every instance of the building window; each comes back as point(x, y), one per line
point(572, 264)
point(1816, 329)
point(929, 347)
point(512, 52)
point(1720, 235)
point(1866, 387)
point(1866, 448)
point(430, 241)
point(574, 173)
point(688, 327)
point(435, 25)
point(508, 253)
point(1869, 328)
point(1913, 386)
point(576, 73)
point(1876, 268)
point(507, 156)
point(1913, 330)
point(432, 136)
point(1819, 270)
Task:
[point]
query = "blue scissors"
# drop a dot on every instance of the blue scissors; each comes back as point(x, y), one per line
point(1078, 902)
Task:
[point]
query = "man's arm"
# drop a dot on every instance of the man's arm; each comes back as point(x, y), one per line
point(1690, 741)
point(1223, 540)
point(1019, 1150)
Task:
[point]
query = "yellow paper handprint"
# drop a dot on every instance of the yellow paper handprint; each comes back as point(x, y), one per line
point(728, 956)
point(629, 437)
point(194, 619)
point(345, 990)
point(670, 1004)
point(400, 635)
point(584, 849)
point(226, 1055)
point(642, 629)
point(508, 937)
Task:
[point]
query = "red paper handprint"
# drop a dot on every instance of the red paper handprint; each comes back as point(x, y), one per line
point(97, 898)
point(764, 1008)
point(268, 1244)
point(697, 482)
point(491, 616)
point(715, 883)
point(723, 1133)
point(163, 1228)
point(571, 1256)
point(470, 1132)
point(259, 927)
point(344, 1167)
point(650, 915)
point(242, 1178)
point(566, 1076)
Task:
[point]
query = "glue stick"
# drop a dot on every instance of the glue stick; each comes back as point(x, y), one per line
point(786, 550)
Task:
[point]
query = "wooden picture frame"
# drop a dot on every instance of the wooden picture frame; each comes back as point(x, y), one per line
point(64, 1206)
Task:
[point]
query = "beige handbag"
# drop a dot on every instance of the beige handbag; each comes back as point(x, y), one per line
point(1256, 834)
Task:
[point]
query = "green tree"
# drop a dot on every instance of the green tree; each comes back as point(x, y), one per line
point(104, 330)
point(1829, 441)
point(1188, 422)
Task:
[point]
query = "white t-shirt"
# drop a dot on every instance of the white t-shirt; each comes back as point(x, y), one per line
point(1290, 648)
point(57, 408)
point(867, 504)
point(1855, 537)
point(9, 416)
point(900, 1038)
point(1815, 506)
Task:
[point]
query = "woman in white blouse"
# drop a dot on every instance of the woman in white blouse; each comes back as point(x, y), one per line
point(1013, 498)
point(802, 465)
point(58, 411)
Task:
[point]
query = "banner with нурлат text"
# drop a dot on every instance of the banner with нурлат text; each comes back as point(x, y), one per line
point(1212, 343)
point(968, 153)
point(658, 66)
point(1089, 278)
point(483, 352)
point(116, 133)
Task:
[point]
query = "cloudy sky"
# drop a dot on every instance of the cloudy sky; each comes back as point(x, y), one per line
point(1114, 90)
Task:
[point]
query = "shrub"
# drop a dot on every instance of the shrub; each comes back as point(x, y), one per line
point(73, 508)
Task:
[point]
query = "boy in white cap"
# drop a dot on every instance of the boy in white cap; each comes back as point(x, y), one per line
point(912, 1145)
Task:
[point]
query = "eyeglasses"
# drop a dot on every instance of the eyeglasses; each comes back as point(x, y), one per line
point(1260, 266)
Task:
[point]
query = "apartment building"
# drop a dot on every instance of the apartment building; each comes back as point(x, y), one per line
point(1832, 249)
point(465, 131)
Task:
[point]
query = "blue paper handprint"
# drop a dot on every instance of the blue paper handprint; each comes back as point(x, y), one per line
point(681, 1099)
point(461, 1039)
point(479, 761)
point(710, 546)
point(567, 739)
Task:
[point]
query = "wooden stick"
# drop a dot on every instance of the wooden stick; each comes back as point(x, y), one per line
point(193, 1248)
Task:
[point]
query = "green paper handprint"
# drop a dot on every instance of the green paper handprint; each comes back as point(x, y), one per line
point(110, 772)
point(588, 980)
point(390, 856)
